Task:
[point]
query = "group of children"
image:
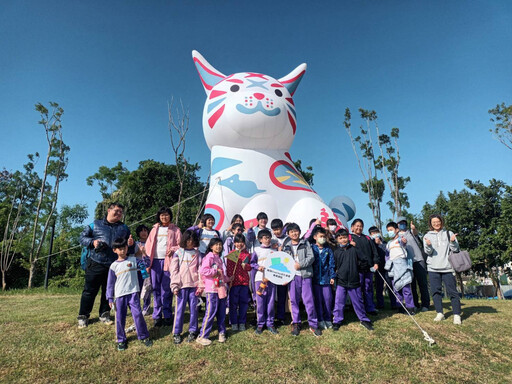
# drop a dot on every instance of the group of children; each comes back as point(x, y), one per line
point(228, 270)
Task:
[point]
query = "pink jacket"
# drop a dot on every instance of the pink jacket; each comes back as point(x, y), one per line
point(184, 274)
point(173, 243)
point(210, 267)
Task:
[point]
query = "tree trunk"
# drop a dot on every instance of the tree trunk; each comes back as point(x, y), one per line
point(461, 284)
point(496, 284)
point(4, 282)
point(31, 273)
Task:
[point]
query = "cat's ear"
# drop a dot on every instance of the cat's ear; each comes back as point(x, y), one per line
point(292, 80)
point(208, 74)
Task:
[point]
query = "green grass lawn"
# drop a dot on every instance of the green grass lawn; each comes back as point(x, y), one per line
point(40, 343)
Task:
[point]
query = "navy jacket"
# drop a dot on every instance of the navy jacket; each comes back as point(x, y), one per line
point(106, 232)
point(367, 252)
point(323, 267)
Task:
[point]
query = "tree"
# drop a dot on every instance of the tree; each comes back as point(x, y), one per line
point(108, 179)
point(372, 185)
point(502, 119)
point(153, 185)
point(54, 167)
point(307, 174)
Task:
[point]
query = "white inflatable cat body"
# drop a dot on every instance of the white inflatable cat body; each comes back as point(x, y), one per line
point(249, 123)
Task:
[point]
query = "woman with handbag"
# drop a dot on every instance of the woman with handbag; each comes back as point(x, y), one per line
point(438, 243)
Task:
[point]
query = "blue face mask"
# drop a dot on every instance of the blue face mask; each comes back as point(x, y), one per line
point(402, 226)
point(391, 234)
point(343, 245)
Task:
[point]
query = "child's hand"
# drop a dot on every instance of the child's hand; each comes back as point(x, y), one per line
point(175, 291)
point(404, 240)
point(353, 243)
point(428, 242)
point(110, 305)
point(376, 266)
point(332, 281)
point(243, 265)
point(148, 270)
point(454, 237)
point(130, 241)
point(275, 246)
point(297, 266)
point(318, 222)
point(261, 269)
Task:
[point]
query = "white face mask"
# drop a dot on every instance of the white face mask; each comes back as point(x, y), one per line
point(391, 234)
point(376, 236)
point(321, 240)
point(332, 228)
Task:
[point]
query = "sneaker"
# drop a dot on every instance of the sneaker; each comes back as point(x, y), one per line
point(105, 318)
point(295, 329)
point(258, 331)
point(424, 309)
point(336, 326)
point(191, 337)
point(316, 331)
point(457, 320)
point(157, 323)
point(83, 321)
point(122, 346)
point(234, 327)
point(203, 341)
point(273, 330)
point(322, 325)
point(147, 342)
point(328, 324)
point(177, 339)
point(241, 327)
point(367, 324)
point(167, 322)
point(439, 317)
point(411, 311)
point(131, 328)
point(222, 337)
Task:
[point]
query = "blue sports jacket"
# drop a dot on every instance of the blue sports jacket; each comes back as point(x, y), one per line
point(323, 267)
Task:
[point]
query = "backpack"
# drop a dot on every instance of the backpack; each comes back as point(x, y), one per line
point(86, 252)
point(460, 261)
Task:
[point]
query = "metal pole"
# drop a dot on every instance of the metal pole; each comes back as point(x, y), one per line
point(49, 257)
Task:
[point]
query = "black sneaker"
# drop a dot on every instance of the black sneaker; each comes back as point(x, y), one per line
point(411, 311)
point(258, 331)
point(273, 330)
point(336, 326)
point(147, 342)
point(157, 323)
point(367, 324)
point(295, 329)
point(177, 339)
point(316, 331)
point(122, 346)
point(278, 323)
point(191, 337)
point(167, 322)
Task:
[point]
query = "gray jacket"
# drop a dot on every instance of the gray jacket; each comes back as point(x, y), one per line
point(413, 247)
point(437, 253)
point(304, 254)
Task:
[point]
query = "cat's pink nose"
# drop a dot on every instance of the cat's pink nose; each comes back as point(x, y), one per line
point(259, 96)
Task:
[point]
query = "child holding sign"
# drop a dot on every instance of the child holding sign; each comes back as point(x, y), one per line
point(238, 267)
point(265, 290)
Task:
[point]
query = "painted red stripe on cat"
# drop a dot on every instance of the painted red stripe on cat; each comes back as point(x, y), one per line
point(292, 122)
point(290, 100)
point(213, 119)
point(216, 93)
point(276, 85)
point(207, 86)
point(294, 78)
point(236, 81)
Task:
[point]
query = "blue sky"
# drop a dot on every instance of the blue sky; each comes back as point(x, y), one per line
point(433, 69)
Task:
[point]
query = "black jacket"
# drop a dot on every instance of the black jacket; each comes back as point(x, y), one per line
point(347, 267)
point(367, 252)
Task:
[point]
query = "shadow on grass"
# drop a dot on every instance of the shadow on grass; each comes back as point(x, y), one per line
point(468, 311)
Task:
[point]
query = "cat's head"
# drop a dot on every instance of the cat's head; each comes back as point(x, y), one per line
point(248, 110)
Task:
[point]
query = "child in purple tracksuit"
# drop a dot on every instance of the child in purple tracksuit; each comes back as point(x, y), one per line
point(347, 260)
point(399, 260)
point(301, 287)
point(123, 290)
point(323, 278)
point(214, 280)
point(264, 296)
point(184, 284)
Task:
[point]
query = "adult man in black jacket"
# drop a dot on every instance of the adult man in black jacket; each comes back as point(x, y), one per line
point(99, 241)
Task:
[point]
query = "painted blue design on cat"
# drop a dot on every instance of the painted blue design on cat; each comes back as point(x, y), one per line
point(214, 104)
point(255, 83)
point(258, 108)
point(292, 110)
point(221, 163)
point(244, 188)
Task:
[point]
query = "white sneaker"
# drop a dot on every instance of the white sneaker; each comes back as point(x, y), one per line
point(131, 328)
point(202, 341)
point(439, 317)
point(83, 322)
point(105, 318)
point(322, 325)
point(457, 320)
point(222, 337)
point(328, 324)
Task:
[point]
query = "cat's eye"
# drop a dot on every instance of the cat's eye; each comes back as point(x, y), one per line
point(234, 88)
point(278, 92)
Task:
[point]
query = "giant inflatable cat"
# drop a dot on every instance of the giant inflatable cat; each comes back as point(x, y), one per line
point(249, 123)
